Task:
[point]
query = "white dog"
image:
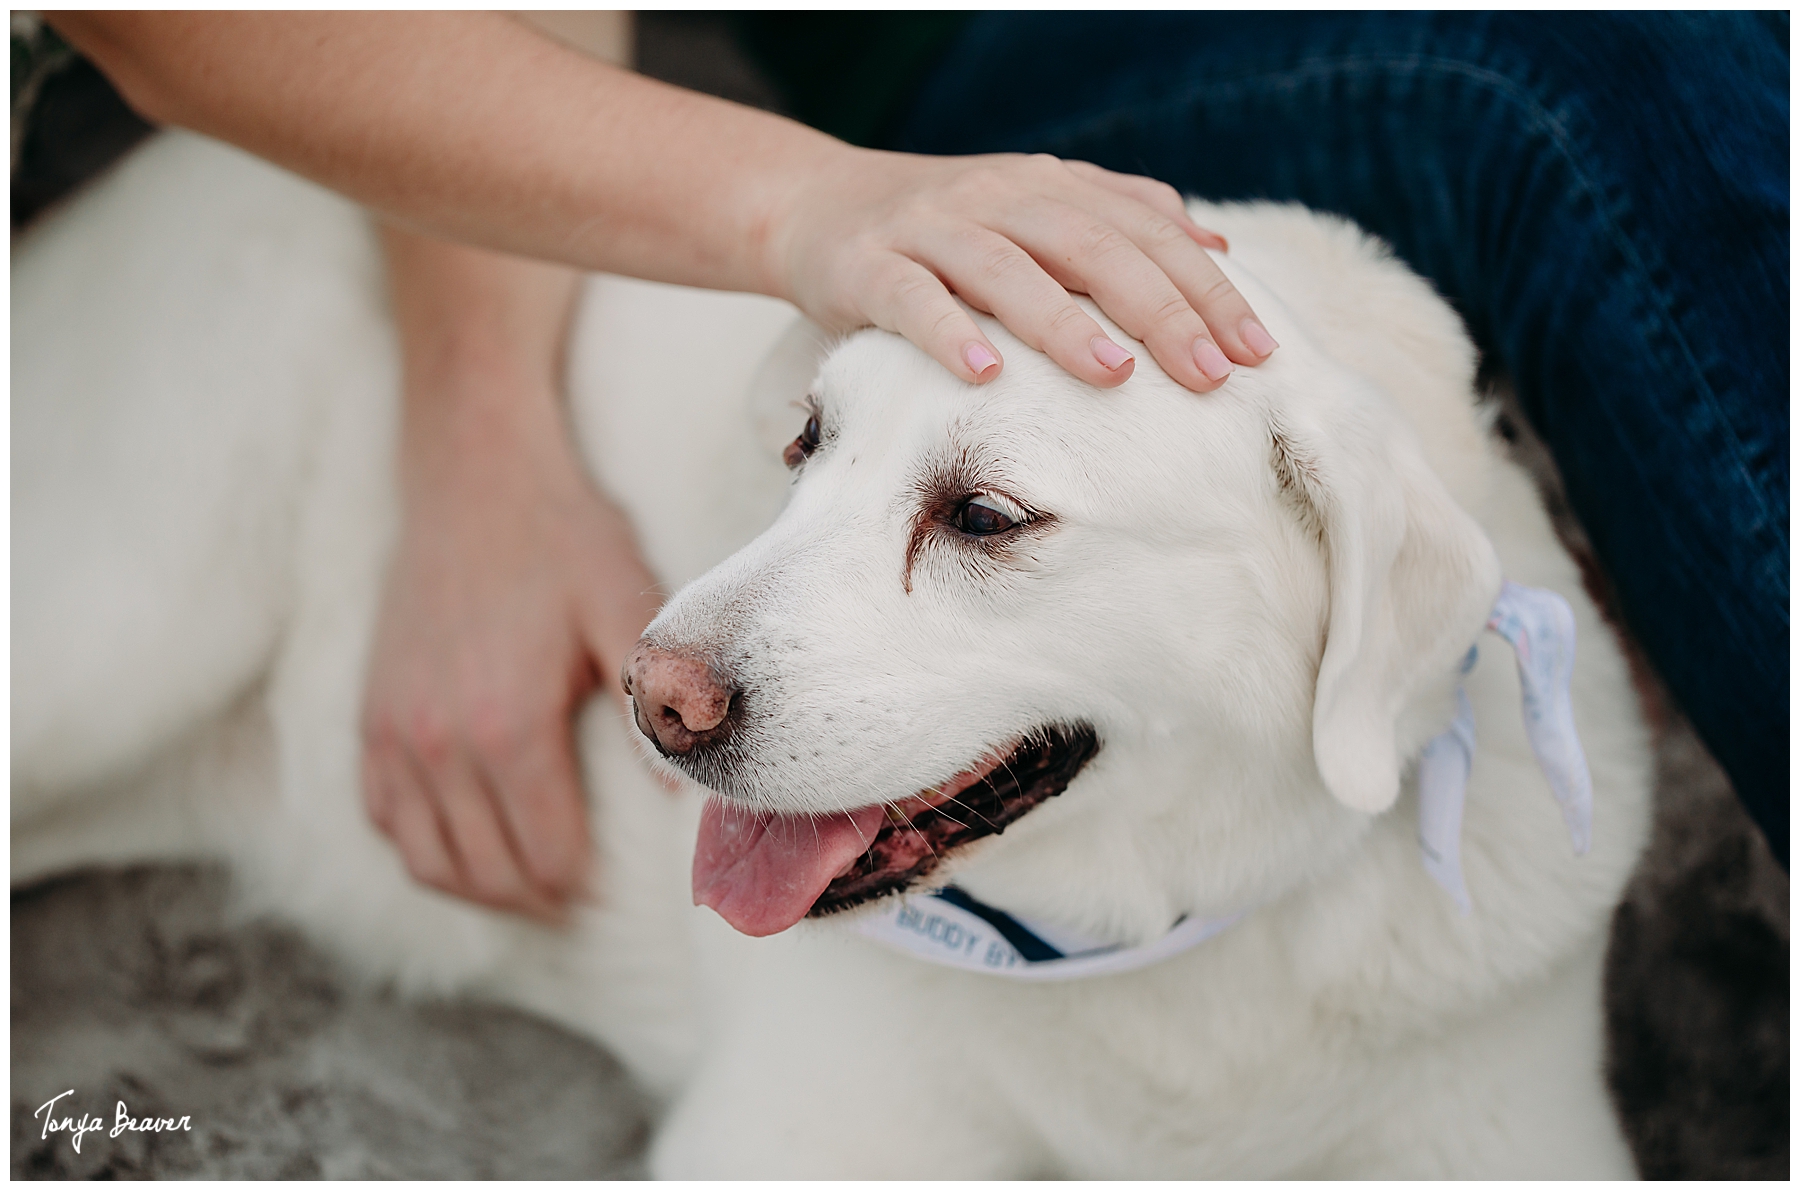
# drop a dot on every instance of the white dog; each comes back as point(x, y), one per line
point(1199, 655)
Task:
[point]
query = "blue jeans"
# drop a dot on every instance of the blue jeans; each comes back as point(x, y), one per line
point(1603, 197)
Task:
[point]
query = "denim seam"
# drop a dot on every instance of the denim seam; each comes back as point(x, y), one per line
point(1565, 143)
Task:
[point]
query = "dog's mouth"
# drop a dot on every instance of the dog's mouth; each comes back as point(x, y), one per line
point(764, 872)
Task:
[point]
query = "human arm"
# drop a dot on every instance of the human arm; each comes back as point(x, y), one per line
point(472, 127)
point(514, 591)
point(501, 611)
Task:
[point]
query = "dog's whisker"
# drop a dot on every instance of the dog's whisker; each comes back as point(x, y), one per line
point(966, 806)
point(895, 813)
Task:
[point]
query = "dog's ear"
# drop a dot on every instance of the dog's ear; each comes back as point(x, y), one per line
point(781, 381)
point(1412, 579)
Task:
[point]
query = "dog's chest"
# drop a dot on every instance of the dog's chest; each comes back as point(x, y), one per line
point(1203, 1063)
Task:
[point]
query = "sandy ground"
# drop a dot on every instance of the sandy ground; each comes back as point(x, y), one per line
point(1697, 986)
point(135, 986)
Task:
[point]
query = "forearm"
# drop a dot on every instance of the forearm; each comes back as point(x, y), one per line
point(481, 337)
point(470, 126)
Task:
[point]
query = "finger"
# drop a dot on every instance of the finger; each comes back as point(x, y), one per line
point(1087, 254)
point(1228, 316)
point(998, 275)
point(378, 798)
point(1158, 306)
point(619, 600)
point(1230, 321)
point(1160, 197)
point(492, 874)
point(544, 812)
point(416, 832)
point(909, 300)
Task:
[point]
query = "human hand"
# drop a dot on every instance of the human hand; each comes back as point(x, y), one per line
point(514, 590)
point(886, 238)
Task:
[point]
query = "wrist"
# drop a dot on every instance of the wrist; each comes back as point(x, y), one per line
point(794, 205)
point(473, 321)
point(473, 372)
point(483, 432)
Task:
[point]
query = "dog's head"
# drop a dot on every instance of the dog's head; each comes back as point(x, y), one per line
point(1203, 616)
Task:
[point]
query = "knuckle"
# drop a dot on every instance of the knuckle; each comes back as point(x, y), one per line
point(912, 224)
point(879, 266)
point(1102, 240)
point(1220, 292)
point(1164, 192)
point(496, 733)
point(554, 873)
point(380, 731)
point(1068, 321)
point(946, 324)
point(877, 246)
point(1003, 263)
point(540, 808)
point(494, 886)
point(913, 207)
point(1164, 234)
point(431, 870)
point(431, 738)
point(981, 184)
point(923, 312)
point(875, 275)
point(913, 287)
point(1173, 308)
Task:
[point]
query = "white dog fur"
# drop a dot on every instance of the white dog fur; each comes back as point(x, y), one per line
point(1258, 596)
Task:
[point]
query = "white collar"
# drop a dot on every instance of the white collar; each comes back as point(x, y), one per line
point(951, 928)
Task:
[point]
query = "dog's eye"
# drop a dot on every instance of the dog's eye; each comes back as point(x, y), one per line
point(983, 516)
point(802, 447)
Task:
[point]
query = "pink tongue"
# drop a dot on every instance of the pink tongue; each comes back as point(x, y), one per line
point(762, 873)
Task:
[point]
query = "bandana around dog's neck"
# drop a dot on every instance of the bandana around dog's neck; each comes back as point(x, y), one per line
point(951, 928)
point(1540, 626)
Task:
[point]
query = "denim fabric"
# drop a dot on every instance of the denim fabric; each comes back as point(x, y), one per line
point(1604, 198)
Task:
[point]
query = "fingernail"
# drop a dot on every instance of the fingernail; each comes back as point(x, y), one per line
point(1111, 356)
point(1211, 360)
point(1256, 337)
point(979, 358)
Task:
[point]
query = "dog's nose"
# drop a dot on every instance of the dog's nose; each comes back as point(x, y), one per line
point(680, 702)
